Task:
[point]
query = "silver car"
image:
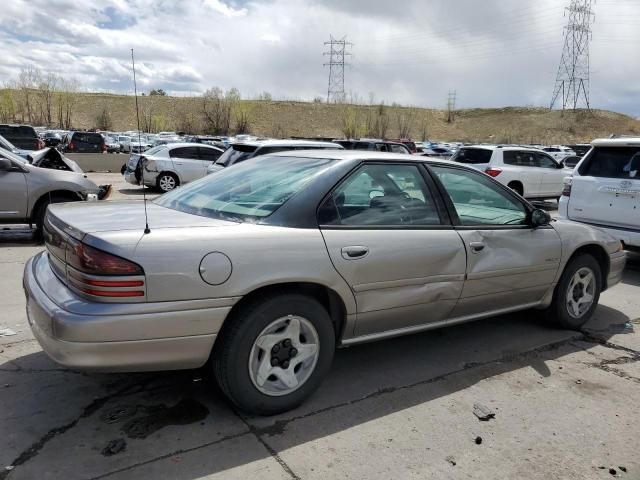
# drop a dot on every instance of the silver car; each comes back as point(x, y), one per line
point(265, 268)
point(167, 166)
point(27, 187)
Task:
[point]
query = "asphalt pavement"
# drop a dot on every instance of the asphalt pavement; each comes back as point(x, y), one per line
point(565, 404)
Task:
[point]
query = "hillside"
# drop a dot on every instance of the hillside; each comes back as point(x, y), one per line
point(285, 118)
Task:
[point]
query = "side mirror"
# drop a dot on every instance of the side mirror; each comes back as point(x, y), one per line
point(540, 218)
point(5, 165)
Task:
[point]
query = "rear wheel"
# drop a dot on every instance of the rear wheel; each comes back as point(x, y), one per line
point(41, 210)
point(577, 294)
point(516, 187)
point(167, 181)
point(274, 353)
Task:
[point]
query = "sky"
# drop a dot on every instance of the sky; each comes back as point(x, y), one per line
point(493, 53)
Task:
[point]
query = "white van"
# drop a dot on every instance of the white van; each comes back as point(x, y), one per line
point(604, 189)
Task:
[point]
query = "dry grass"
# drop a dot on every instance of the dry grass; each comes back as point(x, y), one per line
point(283, 118)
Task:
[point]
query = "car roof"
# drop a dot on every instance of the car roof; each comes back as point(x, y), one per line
point(503, 147)
point(289, 143)
point(616, 142)
point(189, 144)
point(359, 155)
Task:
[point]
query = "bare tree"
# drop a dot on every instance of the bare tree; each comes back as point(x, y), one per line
point(65, 100)
point(7, 106)
point(46, 88)
point(405, 122)
point(217, 109)
point(27, 83)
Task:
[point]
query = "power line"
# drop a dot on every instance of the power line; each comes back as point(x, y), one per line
point(572, 81)
point(337, 52)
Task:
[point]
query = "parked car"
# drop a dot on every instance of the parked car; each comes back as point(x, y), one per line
point(580, 148)
point(437, 152)
point(24, 137)
point(112, 144)
point(239, 152)
point(287, 256)
point(27, 189)
point(52, 139)
point(410, 144)
point(604, 190)
point(373, 145)
point(558, 152)
point(530, 172)
point(83, 142)
point(167, 166)
point(125, 143)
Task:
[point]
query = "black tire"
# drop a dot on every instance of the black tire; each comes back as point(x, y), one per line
point(166, 175)
point(558, 311)
point(516, 187)
point(41, 210)
point(233, 349)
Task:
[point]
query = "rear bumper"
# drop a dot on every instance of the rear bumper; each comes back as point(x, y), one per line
point(53, 326)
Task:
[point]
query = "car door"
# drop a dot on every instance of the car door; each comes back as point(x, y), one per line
point(390, 238)
point(208, 156)
point(551, 181)
point(187, 164)
point(527, 171)
point(509, 263)
point(13, 193)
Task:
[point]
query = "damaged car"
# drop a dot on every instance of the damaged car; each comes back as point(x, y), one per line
point(28, 186)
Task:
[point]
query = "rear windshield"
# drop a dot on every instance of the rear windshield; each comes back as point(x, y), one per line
point(88, 138)
point(236, 153)
point(248, 192)
point(472, 155)
point(18, 131)
point(612, 162)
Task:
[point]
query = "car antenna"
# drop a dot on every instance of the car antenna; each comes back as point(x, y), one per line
point(144, 194)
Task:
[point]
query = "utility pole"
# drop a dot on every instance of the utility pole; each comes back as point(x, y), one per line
point(451, 106)
point(337, 52)
point(572, 81)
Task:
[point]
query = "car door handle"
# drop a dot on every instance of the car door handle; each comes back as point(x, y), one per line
point(476, 247)
point(354, 252)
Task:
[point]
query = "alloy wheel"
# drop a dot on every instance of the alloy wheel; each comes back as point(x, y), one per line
point(581, 292)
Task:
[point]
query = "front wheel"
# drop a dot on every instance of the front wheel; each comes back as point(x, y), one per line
point(577, 294)
point(274, 353)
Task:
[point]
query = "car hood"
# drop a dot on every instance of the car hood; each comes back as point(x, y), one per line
point(51, 158)
point(84, 218)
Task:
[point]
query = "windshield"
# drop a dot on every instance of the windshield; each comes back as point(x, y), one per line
point(235, 154)
point(12, 156)
point(248, 192)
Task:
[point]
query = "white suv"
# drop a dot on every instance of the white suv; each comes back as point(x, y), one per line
point(558, 152)
point(604, 189)
point(530, 172)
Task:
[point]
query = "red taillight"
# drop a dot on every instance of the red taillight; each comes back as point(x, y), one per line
point(90, 260)
point(114, 293)
point(72, 146)
point(493, 172)
point(104, 147)
point(41, 144)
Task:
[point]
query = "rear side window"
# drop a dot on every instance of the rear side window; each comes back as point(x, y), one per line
point(184, 152)
point(235, 154)
point(612, 162)
point(209, 154)
point(473, 155)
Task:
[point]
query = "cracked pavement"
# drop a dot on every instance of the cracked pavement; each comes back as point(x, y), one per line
point(565, 403)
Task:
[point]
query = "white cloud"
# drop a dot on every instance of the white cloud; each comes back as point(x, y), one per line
point(494, 52)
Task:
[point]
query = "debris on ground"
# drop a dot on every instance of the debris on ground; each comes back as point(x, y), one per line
point(478, 440)
point(451, 460)
point(483, 413)
point(114, 447)
point(623, 469)
point(7, 332)
point(612, 471)
point(579, 382)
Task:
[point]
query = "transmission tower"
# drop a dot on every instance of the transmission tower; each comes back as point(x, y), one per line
point(572, 81)
point(451, 106)
point(337, 52)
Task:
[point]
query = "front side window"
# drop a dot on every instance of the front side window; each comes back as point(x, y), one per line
point(612, 162)
point(478, 200)
point(379, 195)
point(236, 154)
point(398, 149)
point(247, 192)
point(545, 161)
